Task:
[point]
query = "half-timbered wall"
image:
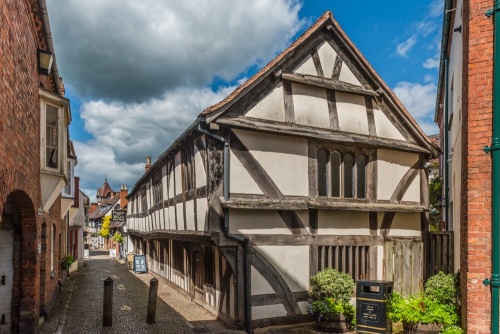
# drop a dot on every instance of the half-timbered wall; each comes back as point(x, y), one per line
point(324, 170)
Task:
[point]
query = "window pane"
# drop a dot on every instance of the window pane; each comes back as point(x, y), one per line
point(360, 176)
point(322, 175)
point(335, 162)
point(348, 176)
point(51, 136)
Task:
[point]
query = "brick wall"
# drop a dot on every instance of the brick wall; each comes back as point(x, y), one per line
point(476, 181)
point(20, 33)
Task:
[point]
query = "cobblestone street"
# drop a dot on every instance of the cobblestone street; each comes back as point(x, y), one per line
point(80, 308)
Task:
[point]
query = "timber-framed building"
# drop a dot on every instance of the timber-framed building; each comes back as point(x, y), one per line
point(311, 163)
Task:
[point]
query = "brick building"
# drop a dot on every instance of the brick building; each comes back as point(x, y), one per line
point(464, 115)
point(34, 144)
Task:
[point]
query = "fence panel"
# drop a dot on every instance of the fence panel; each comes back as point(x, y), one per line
point(438, 253)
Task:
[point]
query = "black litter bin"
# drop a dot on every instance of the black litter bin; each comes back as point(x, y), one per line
point(371, 306)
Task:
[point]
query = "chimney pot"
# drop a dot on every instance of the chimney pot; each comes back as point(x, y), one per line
point(148, 163)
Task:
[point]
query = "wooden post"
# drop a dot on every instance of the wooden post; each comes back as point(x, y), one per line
point(107, 314)
point(153, 292)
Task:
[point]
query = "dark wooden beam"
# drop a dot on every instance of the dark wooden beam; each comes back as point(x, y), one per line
point(387, 223)
point(372, 130)
point(337, 68)
point(288, 101)
point(332, 110)
point(317, 63)
point(325, 204)
point(327, 135)
point(322, 82)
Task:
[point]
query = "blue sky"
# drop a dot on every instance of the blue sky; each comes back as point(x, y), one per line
point(138, 78)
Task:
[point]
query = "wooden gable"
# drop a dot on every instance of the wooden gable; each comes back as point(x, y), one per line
point(321, 85)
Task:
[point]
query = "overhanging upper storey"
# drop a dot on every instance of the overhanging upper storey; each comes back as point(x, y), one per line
point(54, 121)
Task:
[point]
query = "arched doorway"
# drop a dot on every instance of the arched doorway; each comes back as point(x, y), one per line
point(18, 265)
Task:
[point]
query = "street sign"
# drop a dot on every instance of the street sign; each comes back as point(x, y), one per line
point(140, 264)
point(118, 215)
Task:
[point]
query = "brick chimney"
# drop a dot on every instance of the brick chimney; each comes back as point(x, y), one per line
point(123, 196)
point(148, 163)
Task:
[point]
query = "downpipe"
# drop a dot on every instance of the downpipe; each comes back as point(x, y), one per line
point(246, 245)
point(446, 147)
point(494, 150)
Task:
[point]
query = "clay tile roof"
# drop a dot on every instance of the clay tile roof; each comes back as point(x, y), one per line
point(327, 15)
point(104, 190)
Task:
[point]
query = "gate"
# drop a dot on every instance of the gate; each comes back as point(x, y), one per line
point(403, 266)
point(438, 253)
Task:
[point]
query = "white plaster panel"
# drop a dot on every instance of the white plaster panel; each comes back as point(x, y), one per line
point(406, 224)
point(285, 159)
point(285, 259)
point(351, 111)
point(190, 215)
point(306, 67)
point(271, 107)
point(171, 180)
point(180, 216)
point(201, 176)
point(310, 106)
point(268, 311)
point(178, 175)
point(385, 128)
point(240, 180)
point(392, 166)
point(346, 75)
point(202, 212)
point(303, 306)
point(413, 192)
point(260, 286)
point(171, 217)
point(380, 261)
point(343, 223)
point(242, 221)
point(327, 57)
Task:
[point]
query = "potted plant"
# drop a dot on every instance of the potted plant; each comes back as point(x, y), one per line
point(330, 302)
point(67, 261)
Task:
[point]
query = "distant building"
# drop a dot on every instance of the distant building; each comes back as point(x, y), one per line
point(311, 163)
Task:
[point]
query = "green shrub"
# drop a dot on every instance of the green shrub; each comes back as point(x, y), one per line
point(331, 283)
point(442, 288)
point(67, 261)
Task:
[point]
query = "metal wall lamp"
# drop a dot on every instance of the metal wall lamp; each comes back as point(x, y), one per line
point(45, 60)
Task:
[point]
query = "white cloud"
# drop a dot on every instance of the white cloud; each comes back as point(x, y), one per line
point(125, 134)
point(403, 48)
point(420, 101)
point(134, 50)
point(431, 63)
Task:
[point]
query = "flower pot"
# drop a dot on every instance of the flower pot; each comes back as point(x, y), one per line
point(409, 328)
point(334, 324)
point(428, 329)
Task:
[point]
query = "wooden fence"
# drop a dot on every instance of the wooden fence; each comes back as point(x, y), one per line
point(403, 266)
point(438, 253)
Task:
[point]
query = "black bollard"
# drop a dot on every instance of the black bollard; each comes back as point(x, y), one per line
point(107, 314)
point(153, 292)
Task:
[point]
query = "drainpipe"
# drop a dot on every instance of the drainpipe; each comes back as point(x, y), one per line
point(446, 147)
point(246, 246)
point(495, 175)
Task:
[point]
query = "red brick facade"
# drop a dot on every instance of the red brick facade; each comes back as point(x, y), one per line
point(475, 258)
point(20, 194)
